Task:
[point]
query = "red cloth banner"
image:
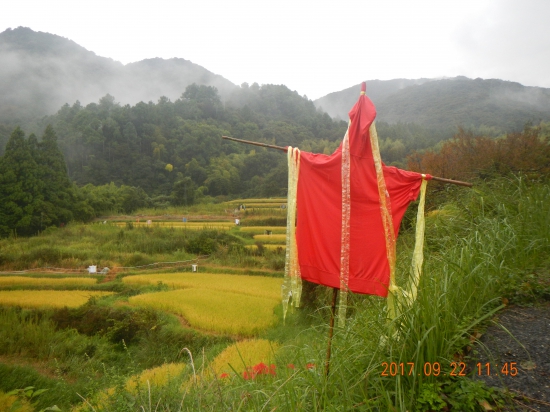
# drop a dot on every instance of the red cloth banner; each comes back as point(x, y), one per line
point(319, 211)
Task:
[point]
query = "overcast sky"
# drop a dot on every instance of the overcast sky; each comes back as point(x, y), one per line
point(312, 46)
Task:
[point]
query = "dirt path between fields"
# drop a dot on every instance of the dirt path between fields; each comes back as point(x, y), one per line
point(523, 337)
point(42, 367)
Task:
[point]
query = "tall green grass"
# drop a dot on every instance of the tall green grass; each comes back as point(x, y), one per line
point(88, 349)
point(68, 361)
point(480, 246)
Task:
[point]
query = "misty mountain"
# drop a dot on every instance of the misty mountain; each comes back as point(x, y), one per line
point(40, 72)
point(448, 103)
point(338, 104)
point(149, 79)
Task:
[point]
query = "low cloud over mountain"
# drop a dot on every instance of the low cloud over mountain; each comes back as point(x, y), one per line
point(40, 72)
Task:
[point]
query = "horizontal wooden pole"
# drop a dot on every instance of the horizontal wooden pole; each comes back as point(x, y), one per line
point(284, 149)
point(452, 182)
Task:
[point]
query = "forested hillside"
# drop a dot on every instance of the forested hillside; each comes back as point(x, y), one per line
point(175, 150)
point(338, 104)
point(174, 154)
point(494, 106)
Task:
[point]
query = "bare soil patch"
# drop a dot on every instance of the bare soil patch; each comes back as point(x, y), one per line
point(42, 367)
point(523, 338)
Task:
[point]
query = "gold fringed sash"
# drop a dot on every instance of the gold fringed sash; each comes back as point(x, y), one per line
point(418, 254)
point(292, 283)
point(387, 222)
point(399, 297)
point(345, 234)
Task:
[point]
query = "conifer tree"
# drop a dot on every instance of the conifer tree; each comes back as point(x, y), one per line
point(20, 188)
point(58, 190)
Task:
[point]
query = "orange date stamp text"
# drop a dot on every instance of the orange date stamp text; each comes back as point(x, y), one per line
point(453, 369)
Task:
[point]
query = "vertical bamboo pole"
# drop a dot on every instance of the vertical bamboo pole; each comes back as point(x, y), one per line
point(331, 330)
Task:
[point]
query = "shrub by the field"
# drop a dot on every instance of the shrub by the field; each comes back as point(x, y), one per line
point(115, 323)
point(268, 221)
point(207, 242)
point(137, 259)
point(259, 230)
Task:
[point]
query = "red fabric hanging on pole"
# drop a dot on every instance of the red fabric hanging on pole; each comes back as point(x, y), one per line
point(319, 211)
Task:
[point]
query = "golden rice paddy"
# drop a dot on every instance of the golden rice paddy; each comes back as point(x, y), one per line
point(48, 298)
point(259, 286)
point(6, 281)
point(214, 310)
point(244, 354)
point(238, 356)
point(155, 377)
point(272, 239)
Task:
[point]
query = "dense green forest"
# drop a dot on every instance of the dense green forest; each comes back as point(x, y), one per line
point(172, 147)
point(108, 158)
point(174, 152)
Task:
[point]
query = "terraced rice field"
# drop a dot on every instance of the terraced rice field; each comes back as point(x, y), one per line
point(276, 239)
point(233, 304)
point(261, 201)
point(156, 377)
point(238, 357)
point(48, 298)
point(244, 354)
point(214, 310)
point(9, 281)
point(223, 225)
point(258, 286)
point(271, 206)
point(267, 246)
